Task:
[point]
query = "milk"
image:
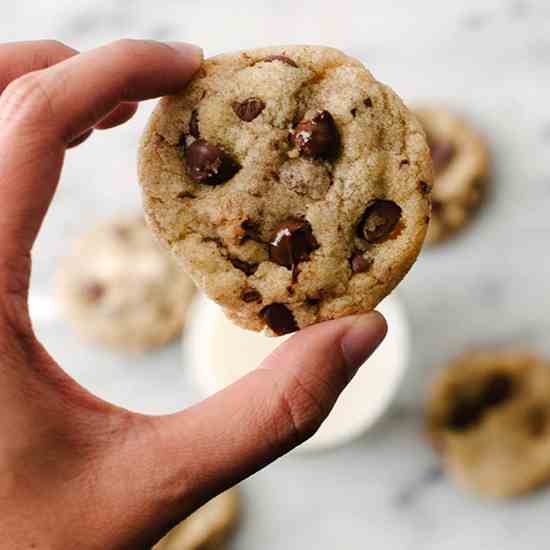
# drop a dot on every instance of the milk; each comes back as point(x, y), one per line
point(220, 353)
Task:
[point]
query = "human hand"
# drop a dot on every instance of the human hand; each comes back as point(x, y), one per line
point(75, 471)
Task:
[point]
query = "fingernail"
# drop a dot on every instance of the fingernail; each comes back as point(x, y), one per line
point(359, 342)
point(190, 51)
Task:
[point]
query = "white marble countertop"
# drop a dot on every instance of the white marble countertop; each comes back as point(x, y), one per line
point(490, 59)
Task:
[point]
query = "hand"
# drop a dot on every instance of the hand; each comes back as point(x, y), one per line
point(75, 471)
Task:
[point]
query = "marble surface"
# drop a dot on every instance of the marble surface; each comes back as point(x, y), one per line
point(490, 59)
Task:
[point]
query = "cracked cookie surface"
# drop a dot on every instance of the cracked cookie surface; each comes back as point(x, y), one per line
point(290, 184)
point(120, 289)
point(489, 416)
point(461, 163)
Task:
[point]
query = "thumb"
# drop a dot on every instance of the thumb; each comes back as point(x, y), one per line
point(205, 449)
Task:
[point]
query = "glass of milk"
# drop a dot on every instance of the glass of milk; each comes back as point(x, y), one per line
point(219, 353)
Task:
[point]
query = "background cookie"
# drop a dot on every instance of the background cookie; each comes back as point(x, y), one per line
point(291, 185)
point(489, 416)
point(461, 168)
point(207, 528)
point(120, 289)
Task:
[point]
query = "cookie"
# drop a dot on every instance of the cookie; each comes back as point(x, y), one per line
point(207, 528)
point(461, 165)
point(489, 416)
point(119, 288)
point(290, 184)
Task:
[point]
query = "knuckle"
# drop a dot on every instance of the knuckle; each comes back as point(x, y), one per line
point(303, 410)
point(22, 85)
point(138, 51)
point(14, 286)
point(15, 275)
point(128, 47)
point(24, 97)
point(131, 54)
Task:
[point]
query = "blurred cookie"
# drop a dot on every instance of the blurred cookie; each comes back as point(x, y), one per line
point(120, 289)
point(292, 186)
point(461, 170)
point(207, 528)
point(489, 416)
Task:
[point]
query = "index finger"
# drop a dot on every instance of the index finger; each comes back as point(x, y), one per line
point(72, 96)
point(43, 111)
point(19, 58)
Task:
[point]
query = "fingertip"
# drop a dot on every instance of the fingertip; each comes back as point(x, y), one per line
point(375, 318)
point(364, 334)
point(192, 53)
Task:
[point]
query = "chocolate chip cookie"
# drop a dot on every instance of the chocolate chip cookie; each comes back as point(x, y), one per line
point(291, 185)
point(119, 288)
point(461, 169)
point(207, 528)
point(489, 416)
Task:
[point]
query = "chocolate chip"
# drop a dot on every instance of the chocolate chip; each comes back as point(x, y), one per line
point(93, 291)
point(368, 103)
point(424, 187)
point(194, 125)
point(379, 220)
point(465, 413)
point(182, 142)
point(404, 162)
point(209, 164)
point(353, 112)
point(442, 153)
point(249, 295)
point(251, 231)
point(497, 389)
point(282, 58)
point(318, 137)
point(185, 195)
point(245, 267)
point(360, 264)
point(293, 242)
point(248, 109)
point(537, 421)
point(279, 319)
point(468, 410)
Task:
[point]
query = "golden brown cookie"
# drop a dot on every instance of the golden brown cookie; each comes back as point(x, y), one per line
point(207, 528)
point(461, 165)
point(120, 289)
point(291, 185)
point(489, 416)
